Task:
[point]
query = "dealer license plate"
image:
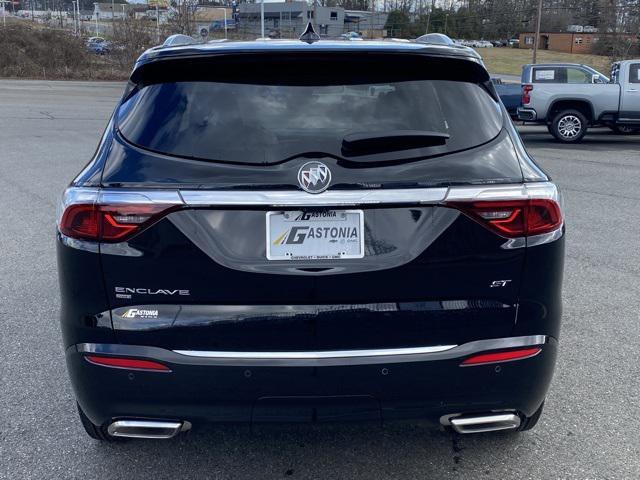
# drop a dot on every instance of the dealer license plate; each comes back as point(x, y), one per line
point(315, 235)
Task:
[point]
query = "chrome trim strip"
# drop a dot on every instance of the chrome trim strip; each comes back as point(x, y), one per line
point(317, 355)
point(299, 198)
point(291, 198)
point(131, 429)
point(370, 197)
point(485, 423)
point(87, 246)
point(312, 358)
point(487, 192)
point(137, 197)
point(545, 190)
point(536, 240)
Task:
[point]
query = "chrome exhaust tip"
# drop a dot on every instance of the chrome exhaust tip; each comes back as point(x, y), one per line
point(485, 423)
point(146, 428)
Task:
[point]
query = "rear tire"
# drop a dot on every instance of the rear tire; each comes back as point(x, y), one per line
point(529, 422)
point(569, 126)
point(94, 431)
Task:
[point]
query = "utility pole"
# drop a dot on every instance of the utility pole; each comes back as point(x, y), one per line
point(537, 37)
point(224, 10)
point(157, 24)
point(78, 17)
point(315, 15)
point(433, 5)
point(262, 19)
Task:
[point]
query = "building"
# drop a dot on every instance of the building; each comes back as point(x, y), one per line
point(108, 11)
point(289, 19)
point(568, 42)
point(213, 18)
point(370, 24)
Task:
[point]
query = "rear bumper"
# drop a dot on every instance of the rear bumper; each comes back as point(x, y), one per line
point(527, 114)
point(311, 386)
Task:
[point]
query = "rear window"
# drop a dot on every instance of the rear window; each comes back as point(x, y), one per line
point(243, 120)
point(634, 73)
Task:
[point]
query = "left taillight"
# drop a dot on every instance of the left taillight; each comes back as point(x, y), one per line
point(87, 217)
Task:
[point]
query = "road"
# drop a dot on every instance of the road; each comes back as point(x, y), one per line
point(590, 428)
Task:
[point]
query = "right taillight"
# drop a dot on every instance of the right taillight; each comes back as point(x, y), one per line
point(109, 223)
point(526, 94)
point(514, 218)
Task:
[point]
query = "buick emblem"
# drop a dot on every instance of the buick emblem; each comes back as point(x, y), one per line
point(314, 177)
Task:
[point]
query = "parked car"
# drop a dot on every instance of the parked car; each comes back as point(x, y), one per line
point(569, 98)
point(351, 36)
point(98, 45)
point(510, 94)
point(337, 241)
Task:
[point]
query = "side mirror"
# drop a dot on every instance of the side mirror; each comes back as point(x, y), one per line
point(595, 78)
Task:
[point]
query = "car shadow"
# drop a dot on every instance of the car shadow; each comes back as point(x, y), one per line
point(399, 450)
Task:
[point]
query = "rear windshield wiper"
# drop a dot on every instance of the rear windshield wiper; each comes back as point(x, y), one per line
point(368, 143)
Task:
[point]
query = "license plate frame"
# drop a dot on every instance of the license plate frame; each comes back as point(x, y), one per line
point(353, 248)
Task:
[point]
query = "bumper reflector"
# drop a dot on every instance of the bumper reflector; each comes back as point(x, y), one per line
point(127, 363)
point(497, 357)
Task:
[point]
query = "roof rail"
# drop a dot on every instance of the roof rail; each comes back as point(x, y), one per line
point(178, 39)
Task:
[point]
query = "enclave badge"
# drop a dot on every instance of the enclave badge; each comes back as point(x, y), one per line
point(314, 177)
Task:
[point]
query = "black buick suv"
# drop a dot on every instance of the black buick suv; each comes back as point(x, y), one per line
point(309, 231)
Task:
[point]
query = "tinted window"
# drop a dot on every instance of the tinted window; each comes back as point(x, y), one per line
point(577, 75)
point(249, 123)
point(634, 73)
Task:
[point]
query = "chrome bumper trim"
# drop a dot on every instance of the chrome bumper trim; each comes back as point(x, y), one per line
point(312, 358)
point(527, 114)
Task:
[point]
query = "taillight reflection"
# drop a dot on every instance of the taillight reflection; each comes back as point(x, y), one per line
point(127, 363)
point(498, 357)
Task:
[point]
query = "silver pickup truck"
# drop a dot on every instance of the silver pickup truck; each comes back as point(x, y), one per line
point(569, 98)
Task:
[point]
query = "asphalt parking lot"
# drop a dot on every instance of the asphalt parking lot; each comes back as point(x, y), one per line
point(590, 428)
